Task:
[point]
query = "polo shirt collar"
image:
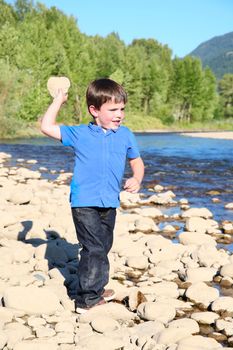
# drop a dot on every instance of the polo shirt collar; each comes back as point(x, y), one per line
point(98, 128)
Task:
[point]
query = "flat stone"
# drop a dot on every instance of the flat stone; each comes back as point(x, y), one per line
point(223, 304)
point(205, 317)
point(104, 324)
point(137, 262)
point(148, 328)
point(200, 293)
point(32, 300)
point(167, 289)
point(112, 310)
point(199, 212)
point(188, 323)
point(31, 345)
point(102, 342)
point(172, 335)
point(198, 342)
point(197, 224)
point(152, 311)
point(196, 238)
point(227, 270)
point(146, 224)
point(6, 315)
point(42, 332)
point(200, 274)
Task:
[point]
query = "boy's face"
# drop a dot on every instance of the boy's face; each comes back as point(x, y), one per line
point(110, 115)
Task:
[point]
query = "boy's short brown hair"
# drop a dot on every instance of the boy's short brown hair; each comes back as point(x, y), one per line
point(103, 90)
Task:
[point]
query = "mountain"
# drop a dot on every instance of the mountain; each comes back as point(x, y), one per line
point(217, 53)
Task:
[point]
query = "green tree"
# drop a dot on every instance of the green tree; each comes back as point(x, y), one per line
point(23, 8)
point(226, 94)
point(11, 96)
point(8, 14)
point(9, 38)
point(192, 91)
point(147, 75)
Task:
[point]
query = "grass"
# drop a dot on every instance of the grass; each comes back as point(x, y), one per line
point(134, 122)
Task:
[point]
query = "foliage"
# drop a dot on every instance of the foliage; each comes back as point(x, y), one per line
point(192, 91)
point(37, 42)
point(226, 95)
point(217, 54)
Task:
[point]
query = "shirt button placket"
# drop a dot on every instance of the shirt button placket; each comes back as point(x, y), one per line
point(104, 175)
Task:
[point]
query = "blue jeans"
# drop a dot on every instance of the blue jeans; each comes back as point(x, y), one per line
point(94, 228)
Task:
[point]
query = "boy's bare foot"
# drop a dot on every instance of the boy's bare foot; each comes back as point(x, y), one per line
point(108, 294)
point(82, 310)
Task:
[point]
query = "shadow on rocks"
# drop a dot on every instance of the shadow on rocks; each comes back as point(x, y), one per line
point(55, 256)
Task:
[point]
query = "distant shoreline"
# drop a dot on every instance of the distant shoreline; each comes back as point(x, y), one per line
point(225, 135)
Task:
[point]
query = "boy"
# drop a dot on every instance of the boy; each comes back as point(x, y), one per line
point(100, 151)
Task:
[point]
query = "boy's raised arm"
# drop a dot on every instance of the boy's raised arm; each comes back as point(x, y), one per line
point(48, 123)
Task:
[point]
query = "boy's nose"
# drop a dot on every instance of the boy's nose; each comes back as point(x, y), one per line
point(120, 114)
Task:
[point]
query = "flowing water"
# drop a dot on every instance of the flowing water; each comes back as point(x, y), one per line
point(191, 167)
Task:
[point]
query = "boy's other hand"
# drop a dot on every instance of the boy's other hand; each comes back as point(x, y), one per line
point(132, 185)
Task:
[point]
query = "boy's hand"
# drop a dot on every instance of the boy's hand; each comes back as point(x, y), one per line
point(132, 185)
point(60, 97)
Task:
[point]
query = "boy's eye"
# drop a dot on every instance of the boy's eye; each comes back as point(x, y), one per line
point(115, 109)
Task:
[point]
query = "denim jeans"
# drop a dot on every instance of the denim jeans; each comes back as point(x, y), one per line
point(94, 228)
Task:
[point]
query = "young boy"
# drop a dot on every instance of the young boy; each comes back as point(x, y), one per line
point(100, 150)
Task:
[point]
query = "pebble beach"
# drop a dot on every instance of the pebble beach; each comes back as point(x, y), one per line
point(173, 285)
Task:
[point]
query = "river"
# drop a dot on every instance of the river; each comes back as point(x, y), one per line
point(190, 167)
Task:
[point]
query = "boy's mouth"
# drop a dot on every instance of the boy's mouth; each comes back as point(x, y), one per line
point(117, 121)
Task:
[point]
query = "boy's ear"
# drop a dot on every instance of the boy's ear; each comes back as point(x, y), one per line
point(93, 111)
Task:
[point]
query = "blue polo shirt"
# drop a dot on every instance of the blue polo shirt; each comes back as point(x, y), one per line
point(99, 163)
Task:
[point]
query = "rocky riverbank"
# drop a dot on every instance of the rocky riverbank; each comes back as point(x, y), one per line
point(174, 291)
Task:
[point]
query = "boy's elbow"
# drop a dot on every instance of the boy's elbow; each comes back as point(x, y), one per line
point(43, 128)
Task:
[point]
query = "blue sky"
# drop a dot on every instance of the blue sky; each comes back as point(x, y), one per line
point(181, 24)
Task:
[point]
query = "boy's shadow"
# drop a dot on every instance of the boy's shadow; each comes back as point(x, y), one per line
point(62, 256)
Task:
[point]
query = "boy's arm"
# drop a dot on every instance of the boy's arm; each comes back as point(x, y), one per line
point(48, 122)
point(133, 183)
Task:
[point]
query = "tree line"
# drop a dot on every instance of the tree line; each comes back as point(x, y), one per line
point(37, 42)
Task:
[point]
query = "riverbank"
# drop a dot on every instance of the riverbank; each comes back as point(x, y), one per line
point(225, 135)
point(168, 293)
point(137, 123)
